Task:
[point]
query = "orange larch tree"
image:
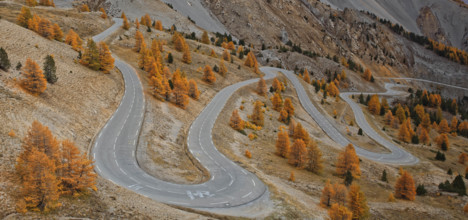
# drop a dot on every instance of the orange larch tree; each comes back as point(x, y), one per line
point(277, 101)
point(327, 193)
point(443, 142)
point(276, 85)
point(301, 133)
point(374, 105)
point(288, 107)
point(339, 212)
point(222, 68)
point(424, 136)
point(333, 90)
point(298, 154)
point(105, 58)
point(314, 156)
point(104, 14)
point(84, 8)
point(340, 194)
point(444, 127)
point(357, 202)
point(24, 17)
point(158, 25)
point(283, 117)
point(261, 87)
point(388, 117)
point(208, 75)
point(76, 170)
point(39, 185)
point(180, 90)
point(158, 90)
point(186, 57)
point(282, 144)
point(348, 160)
point(205, 38)
point(306, 76)
point(74, 40)
point(126, 24)
point(58, 33)
point(367, 75)
point(404, 134)
point(91, 56)
point(45, 28)
point(193, 90)
point(226, 56)
point(236, 121)
point(34, 80)
point(257, 116)
point(139, 40)
point(404, 187)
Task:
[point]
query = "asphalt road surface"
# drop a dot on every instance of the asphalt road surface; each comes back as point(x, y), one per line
point(397, 155)
point(424, 80)
point(115, 146)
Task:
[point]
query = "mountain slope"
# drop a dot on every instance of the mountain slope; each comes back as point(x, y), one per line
point(415, 15)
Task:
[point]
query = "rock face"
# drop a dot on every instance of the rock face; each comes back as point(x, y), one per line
point(448, 14)
point(429, 25)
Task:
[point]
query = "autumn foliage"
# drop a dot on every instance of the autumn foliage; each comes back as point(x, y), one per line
point(348, 160)
point(298, 154)
point(257, 116)
point(42, 26)
point(339, 212)
point(367, 75)
point(404, 187)
point(261, 87)
point(208, 75)
point(47, 170)
point(126, 24)
point(34, 80)
point(97, 57)
point(357, 203)
point(374, 105)
point(236, 121)
point(314, 158)
point(282, 144)
point(443, 142)
point(74, 40)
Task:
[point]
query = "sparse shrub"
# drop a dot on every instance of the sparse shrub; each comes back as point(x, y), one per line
point(360, 131)
point(420, 190)
point(248, 154)
point(292, 178)
point(384, 176)
point(12, 133)
point(440, 156)
point(391, 197)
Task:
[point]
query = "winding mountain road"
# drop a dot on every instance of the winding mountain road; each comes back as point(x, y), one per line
point(115, 146)
point(396, 156)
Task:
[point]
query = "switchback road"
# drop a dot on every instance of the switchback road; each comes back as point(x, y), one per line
point(115, 146)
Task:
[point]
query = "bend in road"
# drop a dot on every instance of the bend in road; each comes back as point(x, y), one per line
point(396, 156)
point(115, 146)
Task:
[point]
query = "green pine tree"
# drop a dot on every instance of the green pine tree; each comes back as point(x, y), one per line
point(50, 69)
point(4, 61)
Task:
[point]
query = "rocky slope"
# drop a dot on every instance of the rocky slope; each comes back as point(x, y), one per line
point(418, 16)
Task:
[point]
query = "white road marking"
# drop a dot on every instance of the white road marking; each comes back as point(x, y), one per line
point(217, 203)
point(219, 190)
point(248, 194)
point(253, 182)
